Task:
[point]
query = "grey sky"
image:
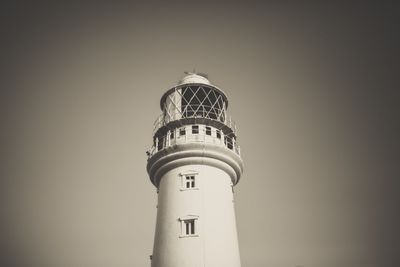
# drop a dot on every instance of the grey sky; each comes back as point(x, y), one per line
point(311, 88)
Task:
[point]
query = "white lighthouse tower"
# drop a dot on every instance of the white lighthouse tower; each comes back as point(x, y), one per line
point(194, 164)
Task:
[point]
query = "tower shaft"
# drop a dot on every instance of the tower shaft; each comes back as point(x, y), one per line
point(214, 238)
point(194, 163)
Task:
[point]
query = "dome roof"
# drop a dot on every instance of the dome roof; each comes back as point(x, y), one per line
point(194, 78)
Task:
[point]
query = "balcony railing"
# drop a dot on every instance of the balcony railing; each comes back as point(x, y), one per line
point(216, 138)
point(194, 111)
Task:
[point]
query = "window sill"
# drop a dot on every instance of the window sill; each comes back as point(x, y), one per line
point(188, 189)
point(184, 236)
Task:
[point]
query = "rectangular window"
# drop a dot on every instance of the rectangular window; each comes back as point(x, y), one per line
point(228, 142)
point(189, 227)
point(182, 131)
point(208, 130)
point(172, 134)
point(218, 134)
point(195, 129)
point(190, 181)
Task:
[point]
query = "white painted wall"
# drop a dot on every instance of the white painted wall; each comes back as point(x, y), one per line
point(212, 201)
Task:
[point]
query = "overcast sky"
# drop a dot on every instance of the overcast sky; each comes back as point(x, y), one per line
point(311, 87)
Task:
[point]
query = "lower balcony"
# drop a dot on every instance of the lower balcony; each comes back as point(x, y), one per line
point(194, 134)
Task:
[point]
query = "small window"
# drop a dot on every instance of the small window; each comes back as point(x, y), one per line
point(228, 142)
point(189, 227)
point(182, 131)
point(172, 134)
point(190, 181)
point(208, 130)
point(218, 134)
point(195, 129)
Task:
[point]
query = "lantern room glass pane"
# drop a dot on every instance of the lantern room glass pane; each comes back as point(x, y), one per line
point(198, 101)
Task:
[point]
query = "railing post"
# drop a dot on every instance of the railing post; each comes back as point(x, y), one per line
point(157, 144)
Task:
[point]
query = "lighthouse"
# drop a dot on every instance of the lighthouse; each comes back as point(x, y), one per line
point(194, 164)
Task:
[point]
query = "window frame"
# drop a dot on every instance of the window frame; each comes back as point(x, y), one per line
point(189, 226)
point(208, 130)
point(193, 181)
point(228, 142)
point(190, 181)
point(182, 131)
point(218, 134)
point(195, 129)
